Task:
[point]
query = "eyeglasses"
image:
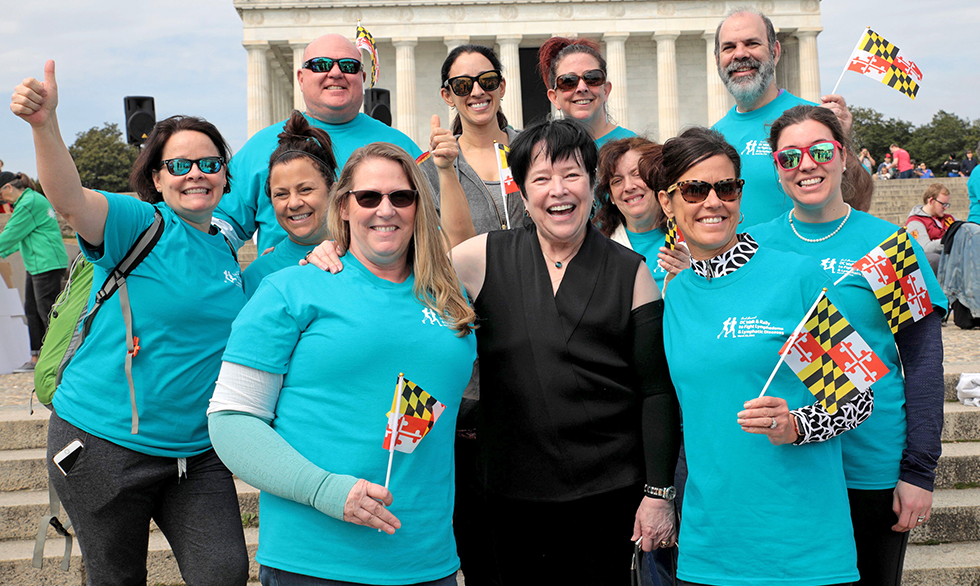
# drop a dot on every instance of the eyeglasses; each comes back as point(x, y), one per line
point(945, 205)
point(569, 81)
point(368, 198)
point(694, 191)
point(820, 153)
point(180, 167)
point(325, 64)
point(462, 85)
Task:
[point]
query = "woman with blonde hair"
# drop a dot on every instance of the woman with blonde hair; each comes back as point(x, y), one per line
point(308, 378)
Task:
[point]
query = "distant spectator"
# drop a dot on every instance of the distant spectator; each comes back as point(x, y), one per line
point(928, 221)
point(923, 172)
point(902, 162)
point(973, 190)
point(886, 169)
point(951, 167)
point(867, 161)
point(967, 164)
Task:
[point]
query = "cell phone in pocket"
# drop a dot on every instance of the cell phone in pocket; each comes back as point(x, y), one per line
point(66, 458)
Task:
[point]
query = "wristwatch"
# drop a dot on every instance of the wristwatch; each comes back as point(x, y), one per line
point(666, 494)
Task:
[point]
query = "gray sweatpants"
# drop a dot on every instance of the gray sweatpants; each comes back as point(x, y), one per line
point(111, 493)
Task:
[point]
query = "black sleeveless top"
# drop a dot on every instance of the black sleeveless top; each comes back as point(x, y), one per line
point(559, 403)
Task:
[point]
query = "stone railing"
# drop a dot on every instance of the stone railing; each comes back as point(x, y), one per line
point(895, 198)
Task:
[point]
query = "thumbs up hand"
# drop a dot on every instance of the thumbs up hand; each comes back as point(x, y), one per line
point(442, 145)
point(34, 101)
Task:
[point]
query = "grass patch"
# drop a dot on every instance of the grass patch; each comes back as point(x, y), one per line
point(962, 485)
point(250, 520)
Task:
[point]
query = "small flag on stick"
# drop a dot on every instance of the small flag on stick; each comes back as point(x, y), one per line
point(673, 235)
point(413, 413)
point(831, 358)
point(879, 59)
point(508, 187)
point(365, 42)
point(892, 270)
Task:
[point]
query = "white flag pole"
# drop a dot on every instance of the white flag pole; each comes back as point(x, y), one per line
point(503, 186)
point(856, 46)
point(792, 340)
point(393, 421)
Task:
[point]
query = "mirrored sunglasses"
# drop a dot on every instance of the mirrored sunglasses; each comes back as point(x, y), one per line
point(569, 81)
point(368, 198)
point(325, 64)
point(179, 167)
point(820, 153)
point(462, 85)
point(695, 191)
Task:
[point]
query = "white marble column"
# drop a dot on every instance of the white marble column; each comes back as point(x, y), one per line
point(278, 85)
point(298, 49)
point(717, 94)
point(451, 43)
point(809, 64)
point(618, 103)
point(258, 92)
point(667, 95)
point(512, 104)
point(407, 116)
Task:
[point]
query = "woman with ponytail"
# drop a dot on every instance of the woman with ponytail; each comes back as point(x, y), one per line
point(464, 158)
point(301, 173)
point(575, 73)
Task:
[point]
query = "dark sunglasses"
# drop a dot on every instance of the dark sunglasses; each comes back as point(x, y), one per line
point(694, 191)
point(569, 81)
point(462, 85)
point(179, 167)
point(820, 153)
point(325, 64)
point(368, 198)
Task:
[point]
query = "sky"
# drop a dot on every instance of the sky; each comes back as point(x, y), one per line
point(188, 55)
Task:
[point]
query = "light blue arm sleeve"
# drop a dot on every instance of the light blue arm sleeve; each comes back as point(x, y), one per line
point(253, 451)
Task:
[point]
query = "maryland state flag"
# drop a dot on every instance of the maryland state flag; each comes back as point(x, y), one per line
point(893, 273)
point(877, 58)
point(417, 412)
point(673, 235)
point(832, 359)
point(365, 42)
point(508, 187)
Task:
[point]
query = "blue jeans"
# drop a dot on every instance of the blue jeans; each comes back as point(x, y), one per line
point(112, 492)
point(273, 577)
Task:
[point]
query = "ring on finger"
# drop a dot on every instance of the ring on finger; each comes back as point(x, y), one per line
point(664, 544)
point(773, 424)
point(922, 519)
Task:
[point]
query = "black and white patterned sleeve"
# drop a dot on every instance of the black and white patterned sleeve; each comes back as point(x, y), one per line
point(815, 424)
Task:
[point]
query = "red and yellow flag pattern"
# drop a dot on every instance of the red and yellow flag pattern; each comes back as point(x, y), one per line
point(417, 413)
point(877, 58)
point(892, 270)
point(365, 42)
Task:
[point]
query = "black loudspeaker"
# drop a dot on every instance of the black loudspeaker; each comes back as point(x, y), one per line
point(377, 104)
point(140, 118)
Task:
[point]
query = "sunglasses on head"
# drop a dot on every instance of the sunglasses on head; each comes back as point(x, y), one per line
point(462, 85)
point(368, 198)
point(820, 153)
point(179, 167)
point(694, 191)
point(569, 81)
point(325, 64)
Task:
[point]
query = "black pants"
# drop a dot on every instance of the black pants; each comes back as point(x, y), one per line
point(585, 541)
point(881, 551)
point(40, 292)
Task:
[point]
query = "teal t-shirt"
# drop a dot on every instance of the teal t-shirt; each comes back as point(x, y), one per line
point(247, 207)
point(286, 254)
point(747, 500)
point(615, 134)
point(973, 191)
point(341, 341)
point(184, 297)
point(648, 244)
point(762, 197)
point(872, 451)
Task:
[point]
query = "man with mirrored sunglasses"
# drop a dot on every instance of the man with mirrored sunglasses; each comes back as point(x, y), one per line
point(331, 78)
point(746, 53)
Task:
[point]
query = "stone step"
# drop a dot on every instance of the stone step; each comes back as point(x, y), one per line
point(21, 511)
point(960, 422)
point(960, 463)
point(950, 380)
point(16, 567)
point(23, 470)
point(19, 430)
point(955, 517)
point(948, 564)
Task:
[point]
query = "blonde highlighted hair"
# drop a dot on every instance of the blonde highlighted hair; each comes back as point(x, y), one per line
point(436, 284)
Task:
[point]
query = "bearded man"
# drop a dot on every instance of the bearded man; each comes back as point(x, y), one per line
point(746, 53)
